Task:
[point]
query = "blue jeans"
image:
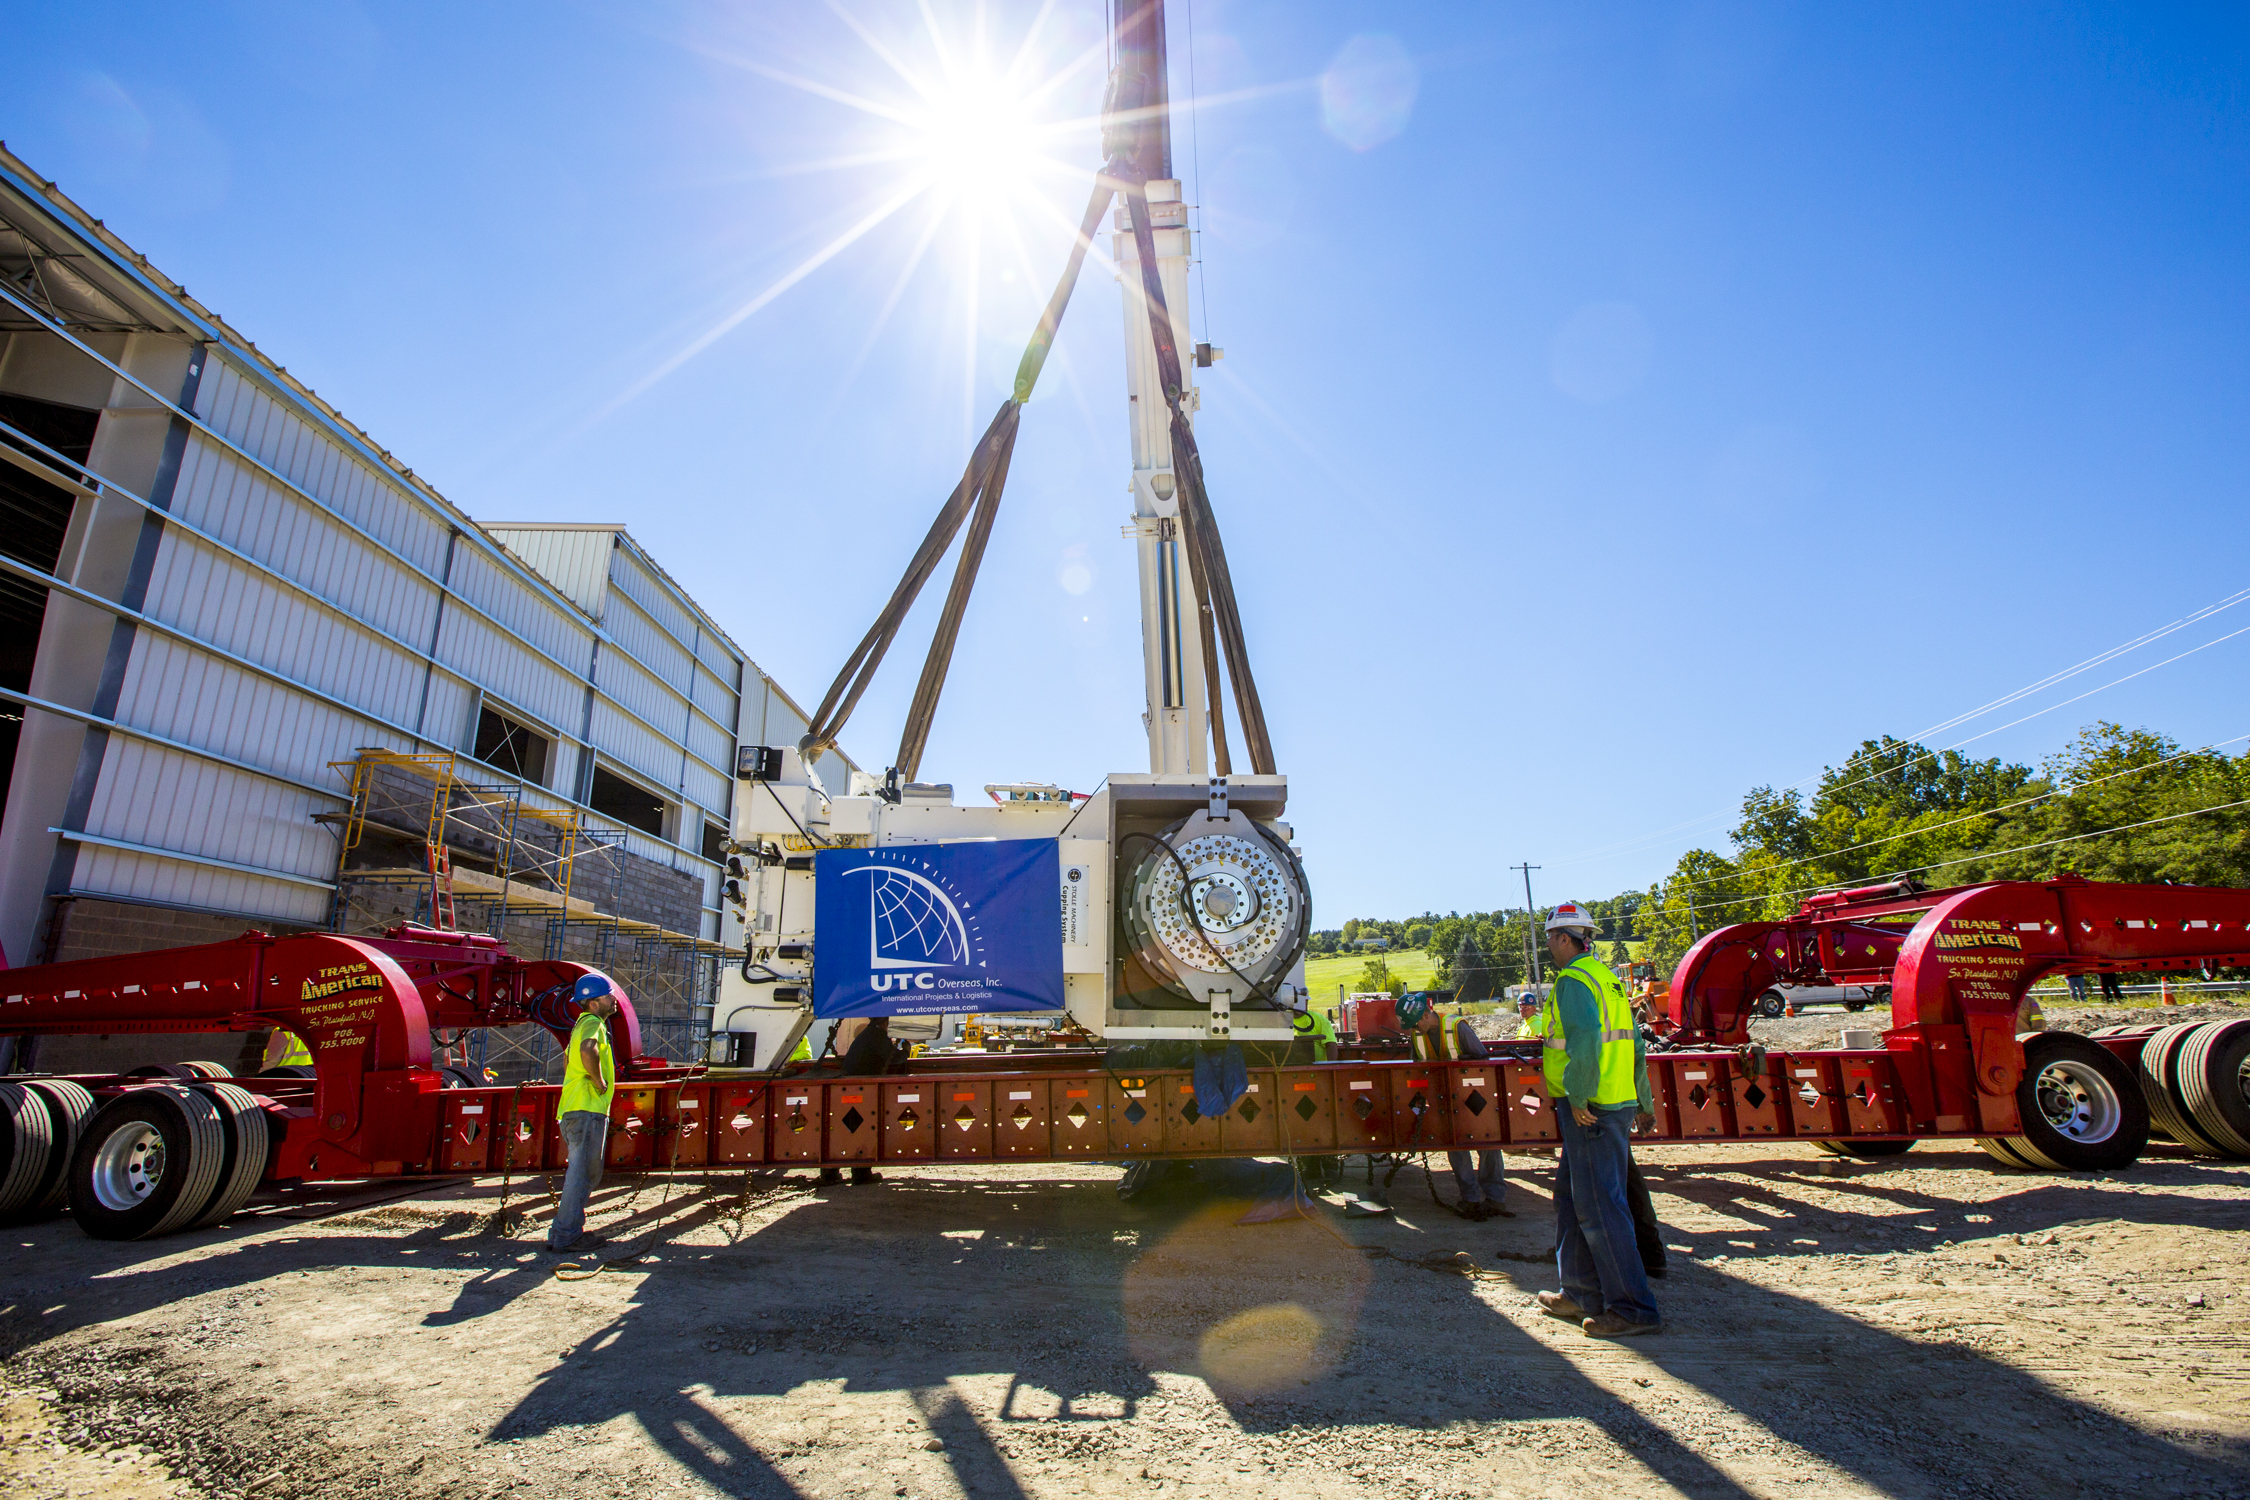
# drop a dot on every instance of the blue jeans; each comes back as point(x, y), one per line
point(1484, 1184)
point(586, 1134)
point(1596, 1253)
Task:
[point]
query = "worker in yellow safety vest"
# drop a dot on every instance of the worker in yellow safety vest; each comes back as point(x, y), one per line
point(1597, 1075)
point(285, 1049)
point(1528, 1006)
point(589, 1078)
point(1311, 1025)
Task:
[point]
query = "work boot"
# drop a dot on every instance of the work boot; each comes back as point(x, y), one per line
point(1474, 1212)
point(1609, 1325)
point(1561, 1305)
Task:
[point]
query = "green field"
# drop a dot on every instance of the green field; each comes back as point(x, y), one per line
point(1416, 967)
point(1322, 975)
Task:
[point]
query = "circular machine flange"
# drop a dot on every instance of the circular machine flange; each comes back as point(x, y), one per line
point(1248, 902)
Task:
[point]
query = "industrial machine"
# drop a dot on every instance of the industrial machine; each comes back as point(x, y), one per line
point(1164, 912)
point(1183, 906)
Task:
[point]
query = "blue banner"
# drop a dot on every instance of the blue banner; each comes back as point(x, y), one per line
point(928, 929)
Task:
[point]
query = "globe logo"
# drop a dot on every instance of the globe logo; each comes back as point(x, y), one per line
point(912, 923)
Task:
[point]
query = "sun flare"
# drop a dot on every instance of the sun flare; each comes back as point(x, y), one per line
point(979, 139)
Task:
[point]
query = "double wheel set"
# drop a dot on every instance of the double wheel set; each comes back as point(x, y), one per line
point(183, 1151)
point(2086, 1109)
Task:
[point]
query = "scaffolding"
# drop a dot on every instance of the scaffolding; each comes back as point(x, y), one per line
point(553, 883)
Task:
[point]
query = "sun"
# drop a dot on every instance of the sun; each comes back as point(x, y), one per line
point(978, 138)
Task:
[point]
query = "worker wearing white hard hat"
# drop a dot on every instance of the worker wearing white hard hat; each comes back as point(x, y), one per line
point(1598, 1078)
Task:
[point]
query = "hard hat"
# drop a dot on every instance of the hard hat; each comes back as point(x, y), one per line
point(1411, 1008)
point(1572, 918)
point(590, 987)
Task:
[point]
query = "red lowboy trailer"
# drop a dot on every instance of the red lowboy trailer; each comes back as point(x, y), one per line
point(137, 1155)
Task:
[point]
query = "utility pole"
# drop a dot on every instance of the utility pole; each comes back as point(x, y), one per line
point(1531, 936)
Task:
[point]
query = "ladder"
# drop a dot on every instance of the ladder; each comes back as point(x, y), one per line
point(440, 860)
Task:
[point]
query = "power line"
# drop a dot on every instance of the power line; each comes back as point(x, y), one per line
point(2050, 680)
point(1989, 812)
point(1195, 163)
point(1945, 864)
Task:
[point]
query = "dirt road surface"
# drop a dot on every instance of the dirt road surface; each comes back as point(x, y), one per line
point(1922, 1326)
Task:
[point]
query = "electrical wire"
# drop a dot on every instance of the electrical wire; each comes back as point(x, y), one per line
point(2111, 654)
point(1965, 859)
point(1187, 883)
point(1989, 812)
point(1195, 161)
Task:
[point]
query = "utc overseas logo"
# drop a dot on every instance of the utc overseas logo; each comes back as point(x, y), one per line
point(915, 926)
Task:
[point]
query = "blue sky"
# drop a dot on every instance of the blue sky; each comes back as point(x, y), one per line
point(1623, 405)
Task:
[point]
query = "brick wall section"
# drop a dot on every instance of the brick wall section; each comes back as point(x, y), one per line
point(87, 928)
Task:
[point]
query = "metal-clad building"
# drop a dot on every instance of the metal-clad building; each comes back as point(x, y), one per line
point(213, 587)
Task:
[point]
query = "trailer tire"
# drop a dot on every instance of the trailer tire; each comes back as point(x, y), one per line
point(27, 1150)
point(1771, 1004)
point(201, 1068)
point(2008, 1151)
point(290, 1070)
point(1872, 1149)
point(68, 1107)
point(2078, 1104)
point(249, 1147)
point(2214, 1080)
point(148, 1163)
point(2158, 1076)
point(460, 1078)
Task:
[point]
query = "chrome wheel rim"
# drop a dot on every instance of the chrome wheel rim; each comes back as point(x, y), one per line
point(128, 1167)
point(2078, 1102)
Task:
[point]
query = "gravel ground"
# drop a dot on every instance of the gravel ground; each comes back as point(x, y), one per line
point(1919, 1326)
point(1819, 1028)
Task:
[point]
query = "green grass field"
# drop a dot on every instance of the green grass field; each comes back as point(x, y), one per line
point(1416, 967)
point(1322, 975)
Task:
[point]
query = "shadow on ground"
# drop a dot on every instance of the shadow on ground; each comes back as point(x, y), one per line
point(1072, 1301)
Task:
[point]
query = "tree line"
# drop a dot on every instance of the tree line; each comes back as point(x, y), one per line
point(2112, 804)
point(1478, 953)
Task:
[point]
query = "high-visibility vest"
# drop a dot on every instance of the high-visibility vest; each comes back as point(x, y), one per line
point(1616, 1083)
point(1313, 1026)
point(297, 1054)
point(582, 1092)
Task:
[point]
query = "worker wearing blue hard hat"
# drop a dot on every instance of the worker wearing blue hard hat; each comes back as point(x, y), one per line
point(589, 1078)
point(1477, 1174)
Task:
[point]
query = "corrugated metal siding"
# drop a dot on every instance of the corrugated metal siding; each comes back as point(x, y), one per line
point(193, 697)
point(114, 872)
point(216, 599)
point(234, 403)
point(632, 744)
point(716, 698)
point(575, 562)
point(714, 745)
point(648, 591)
point(161, 798)
point(503, 665)
point(657, 652)
point(221, 495)
point(516, 607)
point(721, 660)
point(641, 695)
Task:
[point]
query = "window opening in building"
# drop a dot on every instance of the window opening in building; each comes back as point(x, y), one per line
point(33, 517)
point(615, 797)
point(715, 843)
point(504, 743)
